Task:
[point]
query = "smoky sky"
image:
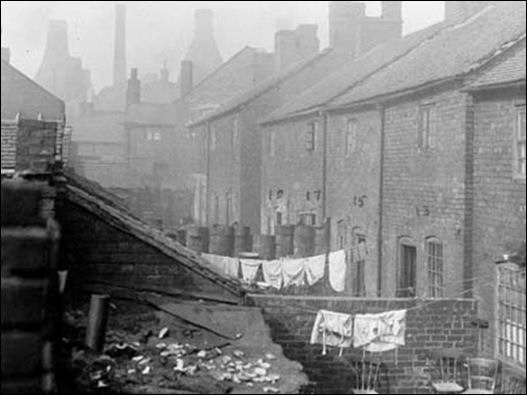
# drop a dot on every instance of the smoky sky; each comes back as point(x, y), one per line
point(159, 31)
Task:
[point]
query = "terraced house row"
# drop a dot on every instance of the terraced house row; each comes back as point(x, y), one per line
point(413, 147)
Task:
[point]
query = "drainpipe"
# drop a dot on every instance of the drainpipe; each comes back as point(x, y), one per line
point(324, 116)
point(207, 181)
point(382, 111)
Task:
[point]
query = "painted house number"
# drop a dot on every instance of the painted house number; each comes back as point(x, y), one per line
point(422, 211)
point(359, 201)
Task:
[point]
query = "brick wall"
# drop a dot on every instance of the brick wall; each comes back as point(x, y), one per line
point(424, 190)
point(97, 253)
point(441, 324)
point(353, 189)
point(499, 197)
point(9, 132)
point(36, 145)
point(294, 170)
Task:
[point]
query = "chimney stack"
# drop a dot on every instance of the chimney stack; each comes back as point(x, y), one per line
point(6, 55)
point(119, 60)
point(345, 24)
point(164, 73)
point(292, 46)
point(392, 10)
point(133, 93)
point(57, 48)
point(186, 79)
point(458, 11)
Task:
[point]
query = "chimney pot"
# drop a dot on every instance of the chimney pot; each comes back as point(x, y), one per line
point(133, 92)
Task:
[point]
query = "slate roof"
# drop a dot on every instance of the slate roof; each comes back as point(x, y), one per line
point(262, 87)
point(455, 52)
point(511, 69)
point(343, 80)
point(103, 204)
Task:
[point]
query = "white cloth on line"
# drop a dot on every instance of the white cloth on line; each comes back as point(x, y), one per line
point(315, 266)
point(332, 329)
point(337, 270)
point(225, 264)
point(250, 269)
point(293, 271)
point(380, 332)
point(272, 272)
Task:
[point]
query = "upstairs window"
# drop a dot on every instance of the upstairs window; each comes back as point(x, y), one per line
point(519, 143)
point(310, 136)
point(351, 137)
point(434, 253)
point(426, 130)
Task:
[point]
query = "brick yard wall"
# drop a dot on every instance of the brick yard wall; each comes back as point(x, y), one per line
point(424, 190)
point(499, 197)
point(441, 324)
point(97, 253)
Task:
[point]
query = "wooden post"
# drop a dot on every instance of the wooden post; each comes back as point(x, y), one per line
point(97, 320)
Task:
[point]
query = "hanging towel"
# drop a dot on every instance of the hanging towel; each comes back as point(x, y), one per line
point(293, 271)
point(272, 271)
point(337, 270)
point(380, 332)
point(315, 268)
point(224, 264)
point(250, 269)
point(332, 329)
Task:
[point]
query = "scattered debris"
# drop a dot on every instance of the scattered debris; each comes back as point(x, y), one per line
point(271, 390)
point(163, 332)
point(146, 370)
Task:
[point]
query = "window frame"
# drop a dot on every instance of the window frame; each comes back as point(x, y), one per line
point(510, 280)
point(310, 137)
point(435, 259)
point(519, 140)
point(350, 138)
point(426, 135)
point(405, 242)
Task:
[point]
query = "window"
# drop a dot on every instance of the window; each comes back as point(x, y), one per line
point(519, 143)
point(149, 135)
point(235, 131)
point(426, 127)
point(511, 314)
point(434, 252)
point(406, 284)
point(310, 136)
point(359, 259)
point(279, 218)
point(351, 136)
point(157, 136)
point(272, 143)
point(216, 209)
point(308, 219)
point(213, 138)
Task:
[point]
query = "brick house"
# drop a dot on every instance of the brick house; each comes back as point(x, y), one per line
point(234, 144)
point(499, 200)
point(30, 115)
point(391, 190)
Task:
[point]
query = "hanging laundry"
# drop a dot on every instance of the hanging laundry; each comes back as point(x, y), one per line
point(315, 268)
point(225, 264)
point(380, 332)
point(337, 270)
point(272, 272)
point(332, 329)
point(250, 269)
point(293, 271)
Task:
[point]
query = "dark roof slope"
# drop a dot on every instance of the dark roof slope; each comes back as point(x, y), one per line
point(20, 94)
point(98, 201)
point(354, 72)
point(454, 52)
point(262, 87)
point(511, 69)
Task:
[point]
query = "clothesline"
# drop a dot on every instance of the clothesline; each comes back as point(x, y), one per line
point(284, 272)
point(421, 306)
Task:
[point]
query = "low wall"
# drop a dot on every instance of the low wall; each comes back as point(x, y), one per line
point(430, 325)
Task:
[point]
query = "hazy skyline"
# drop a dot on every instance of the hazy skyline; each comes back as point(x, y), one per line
point(159, 31)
